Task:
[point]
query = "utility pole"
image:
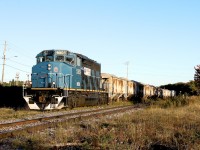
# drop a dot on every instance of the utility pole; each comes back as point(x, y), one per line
point(17, 78)
point(28, 77)
point(4, 62)
point(127, 63)
point(27, 82)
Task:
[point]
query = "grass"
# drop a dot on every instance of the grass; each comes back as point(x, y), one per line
point(10, 113)
point(170, 124)
point(178, 101)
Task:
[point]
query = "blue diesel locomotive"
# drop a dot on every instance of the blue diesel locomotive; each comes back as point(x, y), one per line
point(61, 79)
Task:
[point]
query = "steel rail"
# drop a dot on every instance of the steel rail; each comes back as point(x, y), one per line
point(47, 122)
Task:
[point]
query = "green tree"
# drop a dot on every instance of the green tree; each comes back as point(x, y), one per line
point(182, 88)
point(197, 77)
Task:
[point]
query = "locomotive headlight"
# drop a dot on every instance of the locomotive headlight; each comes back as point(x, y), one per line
point(30, 83)
point(53, 84)
point(49, 66)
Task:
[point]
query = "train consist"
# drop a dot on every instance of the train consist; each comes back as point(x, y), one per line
point(62, 78)
point(121, 88)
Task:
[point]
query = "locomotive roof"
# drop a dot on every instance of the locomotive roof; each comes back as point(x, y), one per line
point(85, 57)
point(80, 55)
point(107, 75)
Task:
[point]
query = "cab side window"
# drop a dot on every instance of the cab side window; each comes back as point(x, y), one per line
point(40, 59)
point(78, 61)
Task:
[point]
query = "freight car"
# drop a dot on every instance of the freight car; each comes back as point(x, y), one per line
point(116, 87)
point(164, 93)
point(62, 78)
point(149, 91)
point(145, 91)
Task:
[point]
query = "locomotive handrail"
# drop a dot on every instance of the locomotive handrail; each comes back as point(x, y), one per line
point(66, 75)
point(65, 83)
point(55, 95)
point(51, 78)
point(57, 81)
point(29, 95)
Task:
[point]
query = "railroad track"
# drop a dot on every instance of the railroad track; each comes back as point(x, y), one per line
point(32, 125)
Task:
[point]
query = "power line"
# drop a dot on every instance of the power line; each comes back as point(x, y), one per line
point(4, 63)
point(19, 63)
point(16, 68)
point(21, 49)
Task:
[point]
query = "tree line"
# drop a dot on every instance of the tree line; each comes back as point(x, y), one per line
point(189, 88)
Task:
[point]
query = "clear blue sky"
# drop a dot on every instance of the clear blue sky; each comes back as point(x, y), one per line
point(159, 38)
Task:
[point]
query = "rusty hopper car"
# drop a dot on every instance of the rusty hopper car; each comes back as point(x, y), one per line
point(149, 91)
point(117, 88)
point(166, 93)
point(62, 78)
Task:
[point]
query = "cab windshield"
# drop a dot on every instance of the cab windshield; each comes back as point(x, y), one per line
point(59, 58)
point(49, 56)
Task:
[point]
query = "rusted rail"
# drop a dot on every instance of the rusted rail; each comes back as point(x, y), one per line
point(11, 129)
